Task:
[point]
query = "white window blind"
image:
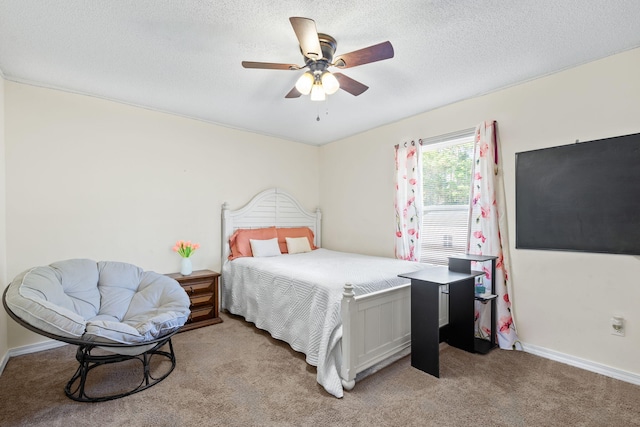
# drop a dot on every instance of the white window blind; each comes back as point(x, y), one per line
point(447, 163)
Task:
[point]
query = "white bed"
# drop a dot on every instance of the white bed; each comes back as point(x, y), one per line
point(345, 312)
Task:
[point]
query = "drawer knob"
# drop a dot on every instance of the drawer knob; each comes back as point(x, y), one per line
point(191, 289)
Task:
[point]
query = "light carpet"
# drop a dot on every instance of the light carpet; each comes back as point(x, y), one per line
point(233, 374)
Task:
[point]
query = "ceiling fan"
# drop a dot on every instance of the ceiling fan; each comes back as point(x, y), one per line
point(318, 50)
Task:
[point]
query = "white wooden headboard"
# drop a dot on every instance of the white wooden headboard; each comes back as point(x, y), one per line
point(272, 207)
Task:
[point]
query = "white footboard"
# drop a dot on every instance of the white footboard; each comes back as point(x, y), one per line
point(375, 327)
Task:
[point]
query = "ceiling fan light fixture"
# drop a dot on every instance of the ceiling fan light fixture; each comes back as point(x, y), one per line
point(317, 92)
point(305, 83)
point(330, 83)
point(318, 50)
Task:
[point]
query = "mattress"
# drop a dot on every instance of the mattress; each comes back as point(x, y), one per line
point(296, 298)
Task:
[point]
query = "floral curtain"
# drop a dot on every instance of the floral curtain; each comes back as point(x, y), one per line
point(488, 234)
point(408, 201)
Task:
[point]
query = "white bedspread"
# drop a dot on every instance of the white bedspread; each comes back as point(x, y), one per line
point(296, 298)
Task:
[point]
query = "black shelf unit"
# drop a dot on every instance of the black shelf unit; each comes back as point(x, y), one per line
point(462, 264)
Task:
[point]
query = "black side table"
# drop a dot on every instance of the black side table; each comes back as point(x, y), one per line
point(425, 327)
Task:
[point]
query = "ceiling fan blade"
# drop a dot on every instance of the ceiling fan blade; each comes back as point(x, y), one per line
point(347, 84)
point(270, 65)
point(307, 35)
point(369, 54)
point(293, 93)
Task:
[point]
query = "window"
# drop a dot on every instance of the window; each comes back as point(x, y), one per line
point(447, 165)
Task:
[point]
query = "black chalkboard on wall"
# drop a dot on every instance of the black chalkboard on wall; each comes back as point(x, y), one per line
point(580, 197)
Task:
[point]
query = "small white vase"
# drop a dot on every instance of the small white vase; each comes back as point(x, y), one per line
point(185, 268)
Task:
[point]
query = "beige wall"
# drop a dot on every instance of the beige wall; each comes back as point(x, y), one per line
point(4, 345)
point(93, 178)
point(97, 179)
point(563, 301)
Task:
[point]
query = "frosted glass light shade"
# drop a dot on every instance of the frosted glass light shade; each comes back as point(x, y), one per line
point(304, 83)
point(317, 92)
point(330, 83)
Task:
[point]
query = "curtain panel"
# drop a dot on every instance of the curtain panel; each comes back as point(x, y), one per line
point(488, 233)
point(408, 201)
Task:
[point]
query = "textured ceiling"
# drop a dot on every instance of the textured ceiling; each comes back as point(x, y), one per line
point(184, 57)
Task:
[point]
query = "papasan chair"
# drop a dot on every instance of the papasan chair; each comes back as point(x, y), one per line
point(113, 312)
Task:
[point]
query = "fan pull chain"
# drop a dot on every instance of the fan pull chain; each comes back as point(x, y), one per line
point(326, 113)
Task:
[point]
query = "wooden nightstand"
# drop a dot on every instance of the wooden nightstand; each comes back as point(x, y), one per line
point(202, 288)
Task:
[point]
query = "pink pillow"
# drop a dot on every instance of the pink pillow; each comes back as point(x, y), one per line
point(240, 244)
point(283, 233)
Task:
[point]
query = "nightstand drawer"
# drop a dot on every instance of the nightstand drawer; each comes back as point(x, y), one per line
point(200, 314)
point(193, 288)
point(201, 299)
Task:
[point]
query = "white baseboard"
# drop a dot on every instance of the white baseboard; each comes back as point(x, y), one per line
point(588, 365)
point(3, 362)
point(30, 348)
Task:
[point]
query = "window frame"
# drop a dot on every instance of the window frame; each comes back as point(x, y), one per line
point(433, 143)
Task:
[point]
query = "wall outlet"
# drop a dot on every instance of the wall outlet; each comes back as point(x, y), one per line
point(617, 326)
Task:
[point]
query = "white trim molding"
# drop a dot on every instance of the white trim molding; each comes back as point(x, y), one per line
point(27, 349)
point(587, 365)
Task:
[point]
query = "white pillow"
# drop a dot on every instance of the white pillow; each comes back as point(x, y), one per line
point(262, 248)
point(296, 245)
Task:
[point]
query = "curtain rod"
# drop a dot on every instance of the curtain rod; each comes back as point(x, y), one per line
point(441, 138)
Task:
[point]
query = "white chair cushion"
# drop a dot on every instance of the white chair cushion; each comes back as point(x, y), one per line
point(156, 307)
point(105, 302)
point(118, 283)
point(57, 298)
